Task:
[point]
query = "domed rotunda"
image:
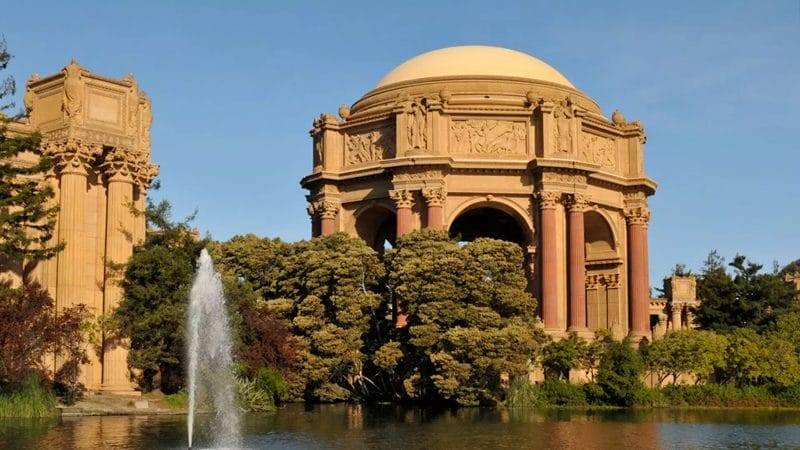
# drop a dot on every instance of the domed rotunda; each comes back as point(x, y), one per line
point(491, 142)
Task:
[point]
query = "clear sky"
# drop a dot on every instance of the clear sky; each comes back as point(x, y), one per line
point(235, 86)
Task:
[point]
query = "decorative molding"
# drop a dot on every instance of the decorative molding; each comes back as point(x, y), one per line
point(373, 145)
point(609, 280)
point(418, 175)
point(402, 198)
point(488, 137)
point(563, 177)
point(434, 196)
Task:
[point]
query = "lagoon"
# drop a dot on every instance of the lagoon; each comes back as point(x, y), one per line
point(344, 426)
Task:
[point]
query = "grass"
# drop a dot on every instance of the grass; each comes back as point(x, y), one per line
point(178, 400)
point(29, 400)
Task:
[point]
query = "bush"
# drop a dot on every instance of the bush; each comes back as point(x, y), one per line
point(562, 393)
point(522, 394)
point(28, 399)
point(620, 375)
point(252, 398)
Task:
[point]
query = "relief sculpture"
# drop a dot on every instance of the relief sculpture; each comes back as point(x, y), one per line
point(598, 150)
point(563, 129)
point(370, 146)
point(486, 136)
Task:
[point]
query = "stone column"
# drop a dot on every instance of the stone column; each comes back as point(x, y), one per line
point(73, 162)
point(403, 201)
point(327, 217)
point(549, 251)
point(638, 278)
point(676, 309)
point(435, 200)
point(120, 221)
point(577, 205)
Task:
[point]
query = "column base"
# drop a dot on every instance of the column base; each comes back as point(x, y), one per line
point(128, 390)
point(555, 333)
point(636, 337)
point(582, 332)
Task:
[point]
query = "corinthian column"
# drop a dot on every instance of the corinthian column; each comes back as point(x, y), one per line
point(639, 278)
point(73, 162)
point(435, 200)
point(549, 252)
point(327, 211)
point(577, 205)
point(119, 174)
point(403, 201)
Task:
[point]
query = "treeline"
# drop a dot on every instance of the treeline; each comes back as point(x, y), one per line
point(315, 321)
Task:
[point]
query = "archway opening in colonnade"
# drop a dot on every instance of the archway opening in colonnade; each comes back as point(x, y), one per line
point(488, 222)
point(377, 226)
point(605, 305)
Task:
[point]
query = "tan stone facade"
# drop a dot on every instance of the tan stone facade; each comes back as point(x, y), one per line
point(97, 130)
point(490, 142)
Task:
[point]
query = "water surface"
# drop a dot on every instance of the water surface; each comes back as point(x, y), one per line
point(356, 426)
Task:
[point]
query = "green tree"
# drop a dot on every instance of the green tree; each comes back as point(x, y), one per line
point(619, 375)
point(152, 313)
point(27, 219)
point(259, 261)
point(694, 352)
point(470, 319)
point(559, 357)
point(746, 298)
point(330, 293)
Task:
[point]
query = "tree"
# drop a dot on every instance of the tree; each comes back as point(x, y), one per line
point(259, 261)
point(330, 293)
point(31, 333)
point(156, 287)
point(693, 352)
point(747, 298)
point(558, 357)
point(619, 375)
point(27, 219)
point(470, 319)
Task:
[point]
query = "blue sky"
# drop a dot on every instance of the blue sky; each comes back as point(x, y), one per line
point(235, 86)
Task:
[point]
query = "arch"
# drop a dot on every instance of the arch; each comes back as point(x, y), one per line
point(599, 237)
point(514, 211)
point(491, 219)
point(376, 224)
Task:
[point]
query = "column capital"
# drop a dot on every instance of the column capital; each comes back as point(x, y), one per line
point(402, 198)
point(325, 209)
point(145, 175)
point(434, 196)
point(73, 156)
point(577, 202)
point(548, 199)
point(637, 215)
point(120, 166)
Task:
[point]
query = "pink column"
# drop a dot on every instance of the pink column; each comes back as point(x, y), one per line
point(639, 278)
point(323, 217)
point(435, 199)
point(549, 252)
point(403, 201)
point(577, 264)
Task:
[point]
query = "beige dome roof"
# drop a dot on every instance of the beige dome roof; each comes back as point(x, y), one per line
point(477, 60)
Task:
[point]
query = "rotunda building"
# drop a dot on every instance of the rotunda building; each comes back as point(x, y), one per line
point(491, 142)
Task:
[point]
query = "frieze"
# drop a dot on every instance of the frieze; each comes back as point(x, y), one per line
point(563, 178)
point(488, 136)
point(418, 175)
point(598, 150)
point(374, 145)
point(610, 280)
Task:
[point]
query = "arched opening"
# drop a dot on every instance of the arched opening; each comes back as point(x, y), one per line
point(490, 223)
point(377, 226)
point(604, 306)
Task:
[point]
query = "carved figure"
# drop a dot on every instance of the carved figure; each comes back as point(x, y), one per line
point(563, 130)
point(416, 131)
point(146, 117)
point(72, 100)
point(372, 146)
point(486, 136)
point(28, 101)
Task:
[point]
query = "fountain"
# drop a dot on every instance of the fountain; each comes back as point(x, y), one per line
point(210, 362)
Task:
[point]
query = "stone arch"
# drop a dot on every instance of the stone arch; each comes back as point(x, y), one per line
point(491, 218)
point(376, 224)
point(600, 238)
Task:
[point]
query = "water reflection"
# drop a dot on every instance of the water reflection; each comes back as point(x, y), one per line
point(389, 426)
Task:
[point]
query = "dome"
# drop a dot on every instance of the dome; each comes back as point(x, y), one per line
point(475, 60)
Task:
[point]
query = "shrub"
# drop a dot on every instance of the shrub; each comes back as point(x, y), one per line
point(562, 393)
point(620, 375)
point(28, 399)
point(523, 394)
